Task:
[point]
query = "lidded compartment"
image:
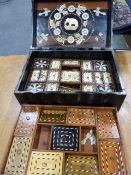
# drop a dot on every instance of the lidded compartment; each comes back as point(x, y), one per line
point(71, 62)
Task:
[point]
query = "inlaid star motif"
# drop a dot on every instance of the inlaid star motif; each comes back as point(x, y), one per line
point(35, 87)
point(41, 63)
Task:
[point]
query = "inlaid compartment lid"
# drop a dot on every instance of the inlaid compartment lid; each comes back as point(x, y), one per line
point(81, 116)
point(107, 124)
point(27, 121)
point(112, 160)
point(65, 138)
point(18, 156)
point(75, 24)
point(45, 163)
point(52, 116)
point(81, 165)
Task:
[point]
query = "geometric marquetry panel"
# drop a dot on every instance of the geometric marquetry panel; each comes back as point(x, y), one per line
point(65, 138)
point(27, 121)
point(81, 165)
point(112, 161)
point(107, 126)
point(18, 156)
point(45, 163)
point(81, 116)
point(52, 116)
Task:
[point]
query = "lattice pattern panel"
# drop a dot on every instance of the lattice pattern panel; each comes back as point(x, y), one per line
point(27, 121)
point(107, 126)
point(18, 156)
point(112, 162)
point(52, 116)
point(81, 165)
point(47, 163)
point(65, 138)
point(81, 116)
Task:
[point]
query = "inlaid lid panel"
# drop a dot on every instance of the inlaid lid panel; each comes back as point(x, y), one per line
point(47, 163)
point(112, 161)
point(27, 121)
point(18, 156)
point(81, 165)
point(52, 116)
point(71, 24)
point(81, 116)
point(65, 138)
point(107, 124)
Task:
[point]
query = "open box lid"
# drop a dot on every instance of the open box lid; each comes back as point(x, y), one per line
point(77, 24)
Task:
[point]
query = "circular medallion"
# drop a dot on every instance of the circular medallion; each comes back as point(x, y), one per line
point(71, 8)
point(57, 31)
point(57, 16)
point(71, 24)
point(85, 16)
point(70, 39)
point(84, 31)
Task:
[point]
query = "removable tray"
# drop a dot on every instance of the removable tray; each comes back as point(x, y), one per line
point(66, 147)
point(51, 91)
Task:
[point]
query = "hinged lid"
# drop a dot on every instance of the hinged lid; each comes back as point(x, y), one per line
point(75, 24)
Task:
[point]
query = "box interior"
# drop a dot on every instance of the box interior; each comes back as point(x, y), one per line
point(63, 86)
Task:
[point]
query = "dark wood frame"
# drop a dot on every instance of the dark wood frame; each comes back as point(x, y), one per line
point(113, 99)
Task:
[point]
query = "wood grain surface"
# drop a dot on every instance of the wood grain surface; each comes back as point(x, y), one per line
point(10, 71)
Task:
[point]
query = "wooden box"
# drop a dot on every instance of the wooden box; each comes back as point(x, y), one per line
point(67, 147)
point(71, 62)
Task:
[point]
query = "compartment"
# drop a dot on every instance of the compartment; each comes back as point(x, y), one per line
point(52, 116)
point(78, 164)
point(111, 156)
point(64, 93)
point(18, 156)
point(107, 123)
point(65, 138)
point(45, 163)
point(88, 140)
point(55, 64)
point(27, 121)
point(71, 64)
point(71, 88)
point(70, 76)
point(96, 73)
point(42, 137)
point(81, 116)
